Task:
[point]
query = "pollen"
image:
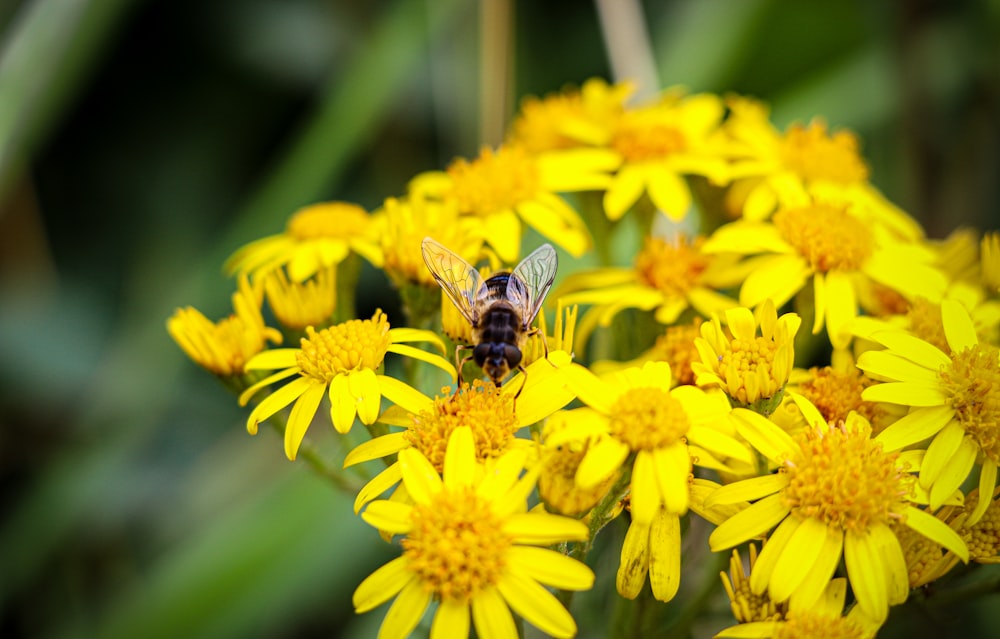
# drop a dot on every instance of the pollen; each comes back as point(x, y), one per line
point(815, 155)
point(748, 607)
point(329, 220)
point(483, 407)
point(828, 237)
point(837, 393)
point(812, 626)
point(495, 181)
point(844, 479)
point(925, 323)
point(748, 369)
point(676, 346)
point(983, 539)
point(346, 347)
point(456, 546)
point(648, 418)
point(973, 383)
point(673, 267)
point(643, 135)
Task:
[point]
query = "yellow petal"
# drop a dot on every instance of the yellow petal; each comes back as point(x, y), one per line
point(377, 448)
point(550, 568)
point(277, 400)
point(912, 348)
point(645, 490)
point(390, 516)
point(273, 359)
point(670, 194)
point(342, 406)
point(841, 307)
point(749, 523)
point(451, 620)
point(422, 481)
point(665, 557)
point(424, 356)
point(747, 489)
point(267, 381)
point(625, 189)
point(404, 395)
point(603, 459)
point(906, 394)
point(492, 616)
point(382, 585)
point(778, 278)
point(958, 327)
point(797, 559)
point(914, 427)
point(301, 417)
point(378, 485)
point(672, 466)
point(866, 574)
point(894, 563)
point(536, 605)
point(634, 563)
point(812, 587)
point(364, 387)
point(764, 435)
point(405, 613)
point(987, 483)
point(460, 459)
point(542, 529)
point(936, 530)
point(888, 366)
point(760, 576)
point(940, 452)
point(954, 474)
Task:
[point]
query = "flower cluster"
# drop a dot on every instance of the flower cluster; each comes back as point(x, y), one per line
point(678, 398)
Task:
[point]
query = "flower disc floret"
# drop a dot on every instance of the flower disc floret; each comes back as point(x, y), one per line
point(815, 155)
point(456, 546)
point(642, 135)
point(672, 267)
point(353, 345)
point(844, 479)
point(810, 626)
point(828, 237)
point(485, 407)
point(648, 419)
point(972, 382)
point(494, 181)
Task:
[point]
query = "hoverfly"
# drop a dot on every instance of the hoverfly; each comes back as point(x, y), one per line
point(500, 308)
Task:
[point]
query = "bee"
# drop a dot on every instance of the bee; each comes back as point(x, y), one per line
point(500, 308)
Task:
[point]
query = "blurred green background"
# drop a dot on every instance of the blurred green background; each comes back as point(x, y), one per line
point(142, 141)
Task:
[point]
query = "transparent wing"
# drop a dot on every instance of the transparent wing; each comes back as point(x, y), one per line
point(531, 281)
point(459, 279)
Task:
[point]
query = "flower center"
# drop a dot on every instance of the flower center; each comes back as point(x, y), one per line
point(495, 181)
point(483, 407)
point(540, 124)
point(983, 539)
point(815, 155)
point(557, 485)
point(648, 418)
point(973, 382)
point(747, 367)
point(844, 479)
point(677, 347)
point(456, 546)
point(345, 347)
point(672, 267)
point(836, 394)
point(328, 220)
point(827, 236)
point(812, 626)
point(925, 323)
point(642, 135)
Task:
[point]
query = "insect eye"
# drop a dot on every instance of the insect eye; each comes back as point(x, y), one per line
point(512, 354)
point(480, 353)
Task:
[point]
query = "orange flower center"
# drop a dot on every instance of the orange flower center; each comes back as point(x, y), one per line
point(837, 393)
point(828, 237)
point(676, 346)
point(844, 479)
point(456, 546)
point(329, 220)
point(495, 181)
point(641, 136)
point(814, 154)
point(483, 407)
point(672, 267)
point(973, 383)
point(810, 626)
point(648, 418)
point(345, 347)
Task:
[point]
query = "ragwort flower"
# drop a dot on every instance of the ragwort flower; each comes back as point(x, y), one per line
point(835, 495)
point(342, 361)
point(301, 304)
point(470, 546)
point(316, 236)
point(954, 399)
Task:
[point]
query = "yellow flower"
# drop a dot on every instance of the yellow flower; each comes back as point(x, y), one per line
point(557, 487)
point(635, 415)
point(674, 346)
point(747, 606)
point(301, 304)
point(752, 369)
point(569, 119)
point(828, 244)
point(493, 414)
point(470, 546)
point(509, 185)
point(955, 400)
point(341, 361)
point(824, 619)
point(316, 236)
point(990, 258)
point(668, 276)
point(223, 348)
point(778, 170)
point(835, 496)
point(658, 145)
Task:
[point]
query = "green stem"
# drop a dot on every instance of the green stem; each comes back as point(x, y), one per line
point(311, 456)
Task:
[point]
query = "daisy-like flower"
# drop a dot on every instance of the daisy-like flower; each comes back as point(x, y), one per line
point(571, 118)
point(490, 412)
point(824, 619)
point(777, 168)
point(559, 464)
point(751, 369)
point(668, 277)
point(826, 245)
point(301, 304)
point(224, 347)
point(315, 237)
point(661, 143)
point(635, 415)
point(747, 606)
point(509, 185)
point(470, 546)
point(954, 399)
point(342, 361)
point(835, 495)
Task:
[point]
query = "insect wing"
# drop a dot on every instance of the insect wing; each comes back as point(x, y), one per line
point(459, 279)
point(531, 281)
